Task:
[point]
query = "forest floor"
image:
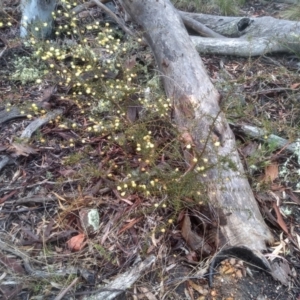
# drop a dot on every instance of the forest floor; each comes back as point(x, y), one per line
point(91, 176)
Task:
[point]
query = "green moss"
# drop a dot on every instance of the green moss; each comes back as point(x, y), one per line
point(27, 70)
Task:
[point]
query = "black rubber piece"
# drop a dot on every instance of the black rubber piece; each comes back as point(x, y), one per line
point(239, 252)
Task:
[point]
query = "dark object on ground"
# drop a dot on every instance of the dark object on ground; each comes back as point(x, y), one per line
point(243, 253)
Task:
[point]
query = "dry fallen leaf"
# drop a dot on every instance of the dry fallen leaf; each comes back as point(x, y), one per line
point(130, 63)
point(198, 288)
point(280, 220)
point(77, 242)
point(194, 241)
point(146, 293)
point(22, 149)
point(295, 85)
point(186, 138)
point(271, 172)
point(130, 224)
point(249, 149)
point(67, 172)
point(12, 264)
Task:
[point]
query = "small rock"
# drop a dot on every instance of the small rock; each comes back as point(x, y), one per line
point(89, 219)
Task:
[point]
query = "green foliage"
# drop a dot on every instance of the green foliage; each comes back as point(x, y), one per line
point(91, 62)
point(73, 158)
point(292, 13)
point(27, 70)
point(285, 171)
point(223, 7)
point(229, 7)
point(105, 253)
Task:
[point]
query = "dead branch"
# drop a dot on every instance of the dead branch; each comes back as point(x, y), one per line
point(36, 124)
point(263, 135)
point(197, 112)
point(199, 27)
point(9, 114)
point(248, 36)
point(114, 17)
point(123, 281)
point(81, 7)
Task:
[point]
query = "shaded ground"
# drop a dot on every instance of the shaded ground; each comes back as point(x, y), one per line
point(48, 183)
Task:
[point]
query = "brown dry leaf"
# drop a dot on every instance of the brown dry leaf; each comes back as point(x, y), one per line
point(194, 241)
point(77, 242)
point(22, 149)
point(12, 264)
point(186, 138)
point(197, 288)
point(48, 229)
point(271, 172)
point(295, 85)
point(66, 135)
point(130, 224)
point(133, 113)
point(67, 172)
point(130, 63)
point(190, 292)
point(249, 149)
point(47, 93)
point(280, 220)
point(7, 196)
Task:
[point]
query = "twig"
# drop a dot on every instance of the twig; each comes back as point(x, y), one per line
point(123, 281)
point(37, 273)
point(113, 16)
point(63, 292)
point(43, 199)
point(268, 91)
point(5, 47)
point(12, 113)
point(1, 53)
point(79, 8)
point(86, 5)
point(36, 124)
point(265, 136)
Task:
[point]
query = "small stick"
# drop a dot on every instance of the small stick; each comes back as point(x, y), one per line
point(63, 292)
point(113, 16)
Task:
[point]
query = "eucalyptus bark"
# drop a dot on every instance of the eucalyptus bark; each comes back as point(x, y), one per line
point(197, 113)
point(37, 17)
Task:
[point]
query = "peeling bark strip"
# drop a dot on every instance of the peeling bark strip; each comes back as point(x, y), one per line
point(196, 110)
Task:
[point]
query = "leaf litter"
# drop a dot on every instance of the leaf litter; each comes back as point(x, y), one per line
point(40, 208)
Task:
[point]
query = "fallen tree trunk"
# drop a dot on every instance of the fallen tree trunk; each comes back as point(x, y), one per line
point(244, 36)
point(197, 114)
point(248, 36)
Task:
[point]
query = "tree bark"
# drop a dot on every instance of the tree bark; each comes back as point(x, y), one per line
point(197, 113)
point(37, 14)
point(248, 36)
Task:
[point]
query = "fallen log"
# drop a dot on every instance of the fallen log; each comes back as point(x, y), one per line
point(197, 114)
point(247, 36)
